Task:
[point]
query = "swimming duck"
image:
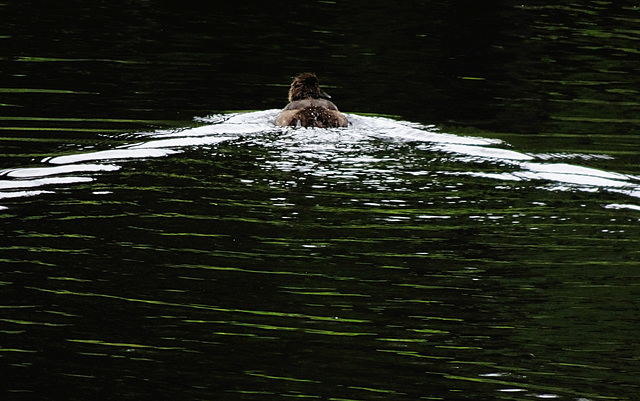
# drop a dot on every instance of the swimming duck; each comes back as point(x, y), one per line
point(309, 106)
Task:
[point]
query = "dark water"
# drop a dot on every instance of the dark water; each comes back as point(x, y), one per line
point(158, 244)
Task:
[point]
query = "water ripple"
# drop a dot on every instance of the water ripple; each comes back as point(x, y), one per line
point(338, 154)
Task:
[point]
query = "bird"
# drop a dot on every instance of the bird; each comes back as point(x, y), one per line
point(309, 106)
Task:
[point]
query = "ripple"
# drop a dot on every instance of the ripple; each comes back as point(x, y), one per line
point(347, 154)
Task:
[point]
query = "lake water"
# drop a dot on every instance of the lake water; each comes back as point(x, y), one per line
point(473, 234)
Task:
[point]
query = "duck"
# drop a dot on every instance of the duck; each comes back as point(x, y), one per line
point(309, 106)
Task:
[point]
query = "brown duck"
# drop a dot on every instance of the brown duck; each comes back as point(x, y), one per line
point(309, 106)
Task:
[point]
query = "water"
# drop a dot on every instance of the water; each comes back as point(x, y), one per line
point(156, 245)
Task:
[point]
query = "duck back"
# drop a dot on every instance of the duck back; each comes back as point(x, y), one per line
point(317, 116)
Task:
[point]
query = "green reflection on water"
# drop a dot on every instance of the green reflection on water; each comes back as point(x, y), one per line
point(265, 376)
point(125, 345)
point(207, 307)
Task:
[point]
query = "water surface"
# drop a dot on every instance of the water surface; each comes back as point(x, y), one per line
point(480, 243)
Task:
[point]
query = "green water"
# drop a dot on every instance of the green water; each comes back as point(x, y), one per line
point(155, 245)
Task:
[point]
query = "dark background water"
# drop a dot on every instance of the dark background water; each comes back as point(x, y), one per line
point(513, 68)
point(286, 266)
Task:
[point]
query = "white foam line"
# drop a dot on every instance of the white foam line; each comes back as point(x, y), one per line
point(42, 181)
point(112, 155)
point(46, 171)
point(483, 152)
point(181, 142)
point(622, 206)
point(18, 194)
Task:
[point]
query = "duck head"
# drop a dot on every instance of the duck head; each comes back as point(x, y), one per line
point(306, 86)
